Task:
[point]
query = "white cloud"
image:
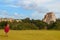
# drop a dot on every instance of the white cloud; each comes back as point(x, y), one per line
point(28, 4)
point(41, 6)
point(37, 15)
point(3, 13)
point(38, 5)
point(53, 7)
point(11, 6)
point(35, 4)
point(18, 15)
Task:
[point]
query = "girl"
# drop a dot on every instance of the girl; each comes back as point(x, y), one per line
point(6, 29)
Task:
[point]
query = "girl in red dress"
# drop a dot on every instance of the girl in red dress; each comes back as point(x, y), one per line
point(6, 29)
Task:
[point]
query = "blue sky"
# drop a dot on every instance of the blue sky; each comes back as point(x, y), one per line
point(34, 9)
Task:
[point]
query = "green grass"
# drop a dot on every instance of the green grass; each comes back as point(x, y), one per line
point(31, 35)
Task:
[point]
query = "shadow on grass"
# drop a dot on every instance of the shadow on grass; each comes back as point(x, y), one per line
point(3, 36)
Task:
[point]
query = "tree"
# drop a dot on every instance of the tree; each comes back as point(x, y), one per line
point(55, 25)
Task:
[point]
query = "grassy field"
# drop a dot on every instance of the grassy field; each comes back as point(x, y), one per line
point(31, 35)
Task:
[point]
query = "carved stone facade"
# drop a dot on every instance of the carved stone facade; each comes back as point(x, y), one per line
point(49, 17)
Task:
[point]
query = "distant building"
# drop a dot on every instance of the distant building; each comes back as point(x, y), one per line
point(9, 19)
point(49, 17)
point(6, 19)
point(18, 20)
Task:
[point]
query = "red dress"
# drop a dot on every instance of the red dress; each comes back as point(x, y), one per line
point(6, 29)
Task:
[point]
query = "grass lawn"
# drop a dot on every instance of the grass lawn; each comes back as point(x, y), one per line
point(30, 35)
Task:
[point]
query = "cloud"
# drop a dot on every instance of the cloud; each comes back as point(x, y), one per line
point(10, 5)
point(53, 7)
point(31, 4)
point(39, 6)
point(18, 15)
point(3, 13)
point(37, 15)
point(26, 3)
point(34, 4)
point(15, 15)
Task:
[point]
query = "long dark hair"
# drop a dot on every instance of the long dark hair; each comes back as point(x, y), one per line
point(6, 23)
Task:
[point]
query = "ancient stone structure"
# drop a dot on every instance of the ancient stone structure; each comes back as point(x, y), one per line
point(49, 17)
point(10, 20)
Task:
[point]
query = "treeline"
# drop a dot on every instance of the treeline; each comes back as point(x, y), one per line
point(28, 24)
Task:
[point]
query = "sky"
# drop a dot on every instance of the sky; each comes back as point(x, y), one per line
point(34, 9)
